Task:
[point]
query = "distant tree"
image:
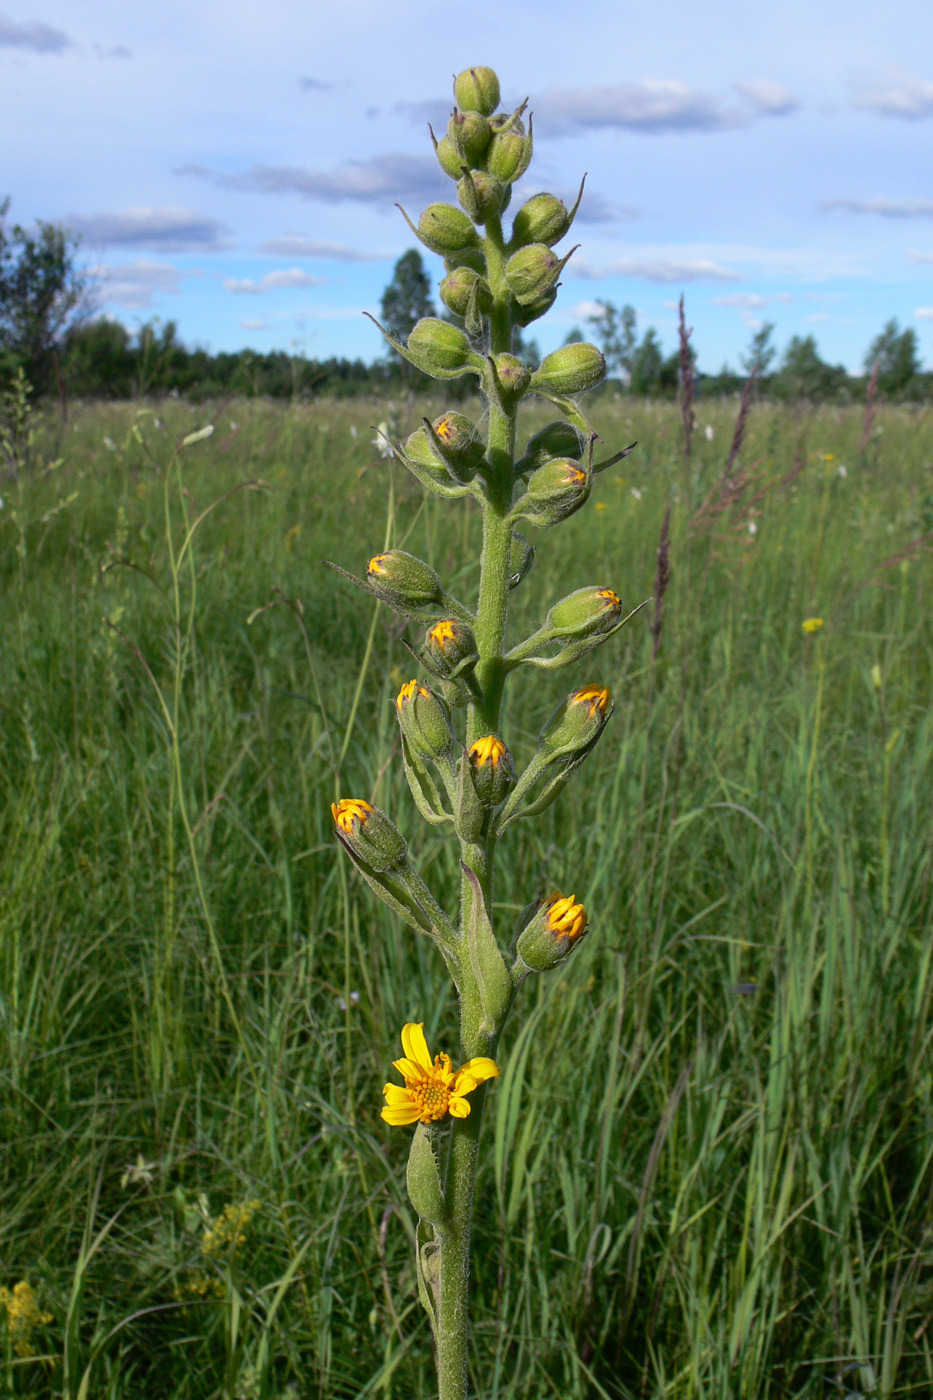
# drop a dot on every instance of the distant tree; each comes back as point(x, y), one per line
point(760, 352)
point(573, 336)
point(803, 375)
point(98, 361)
point(43, 295)
point(647, 365)
point(408, 296)
point(897, 356)
point(614, 331)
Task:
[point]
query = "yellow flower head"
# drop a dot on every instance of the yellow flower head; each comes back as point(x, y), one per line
point(812, 624)
point(577, 475)
point(442, 632)
point(376, 564)
point(613, 601)
point(349, 810)
point(565, 918)
point(489, 749)
point(23, 1315)
point(433, 1088)
point(445, 429)
point(594, 696)
point(408, 692)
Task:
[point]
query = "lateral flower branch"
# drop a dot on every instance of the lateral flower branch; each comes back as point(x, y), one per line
point(460, 770)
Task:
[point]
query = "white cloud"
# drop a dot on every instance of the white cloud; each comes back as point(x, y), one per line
point(887, 208)
point(657, 104)
point(925, 313)
point(662, 269)
point(380, 179)
point(585, 309)
point(294, 245)
point(273, 281)
point(769, 99)
point(917, 257)
point(41, 38)
point(817, 316)
point(895, 94)
point(167, 230)
point(750, 301)
point(133, 285)
point(254, 325)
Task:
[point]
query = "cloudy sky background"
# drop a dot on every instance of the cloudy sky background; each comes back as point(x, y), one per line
point(233, 167)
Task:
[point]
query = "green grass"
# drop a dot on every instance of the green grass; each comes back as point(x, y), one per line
point(707, 1166)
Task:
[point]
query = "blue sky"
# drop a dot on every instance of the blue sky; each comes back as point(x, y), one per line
point(234, 167)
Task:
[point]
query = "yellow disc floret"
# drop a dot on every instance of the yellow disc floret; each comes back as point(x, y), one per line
point(612, 599)
point(812, 624)
point(433, 1088)
point(349, 810)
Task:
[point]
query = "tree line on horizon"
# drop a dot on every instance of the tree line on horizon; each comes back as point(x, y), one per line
point(52, 343)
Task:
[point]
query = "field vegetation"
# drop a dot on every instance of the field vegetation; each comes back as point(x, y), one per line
point(709, 1175)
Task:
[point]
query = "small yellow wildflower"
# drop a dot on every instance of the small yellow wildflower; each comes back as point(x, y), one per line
point(227, 1232)
point(23, 1316)
point(565, 917)
point(433, 1088)
point(442, 632)
point(408, 692)
point(348, 810)
point(596, 697)
point(812, 624)
point(490, 749)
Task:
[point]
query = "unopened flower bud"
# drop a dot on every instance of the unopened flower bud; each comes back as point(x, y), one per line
point(370, 834)
point(492, 768)
point(570, 370)
point(421, 450)
point(513, 374)
point(557, 439)
point(508, 155)
point(463, 286)
point(482, 195)
point(437, 347)
point(532, 272)
point(556, 491)
point(452, 647)
point(449, 158)
point(577, 723)
point(556, 925)
point(401, 579)
point(459, 445)
point(423, 719)
point(469, 133)
point(477, 90)
point(445, 229)
point(542, 219)
point(588, 612)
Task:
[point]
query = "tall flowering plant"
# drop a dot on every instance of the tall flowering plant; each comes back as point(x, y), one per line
point(496, 283)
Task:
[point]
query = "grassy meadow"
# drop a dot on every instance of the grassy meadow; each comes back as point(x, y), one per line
point(706, 1169)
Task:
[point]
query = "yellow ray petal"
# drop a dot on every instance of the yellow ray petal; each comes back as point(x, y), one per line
point(399, 1117)
point(458, 1108)
point(396, 1096)
point(479, 1070)
point(416, 1047)
point(409, 1070)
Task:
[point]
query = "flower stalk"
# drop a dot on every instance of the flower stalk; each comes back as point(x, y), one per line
point(460, 771)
